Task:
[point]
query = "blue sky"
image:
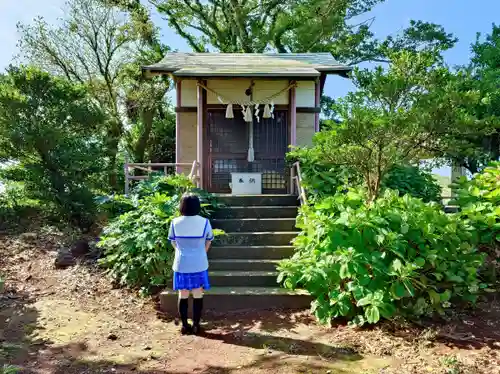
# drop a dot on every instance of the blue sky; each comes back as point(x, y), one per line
point(464, 18)
point(461, 17)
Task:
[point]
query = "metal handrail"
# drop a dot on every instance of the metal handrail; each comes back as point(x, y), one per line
point(297, 178)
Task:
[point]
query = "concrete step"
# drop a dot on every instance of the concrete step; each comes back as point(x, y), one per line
point(243, 278)
point(255, 224)
point(256, 252)
point(258, 200)
point(255, 212)
point(243, 265)
point(255, 238)
point(231, 299)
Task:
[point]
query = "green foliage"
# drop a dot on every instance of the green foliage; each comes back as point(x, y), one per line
point(413, 181)
point(300, 26)
point(479, 202)
point(158, 183)
point(15, 204)
point(321, 178)
point(47, 127)
point(474, 147)
point(395, 256)
point(112, 47)
point(9, 369)
point(116, 205)
point(137, 251)
point(176, 184)
point(396, 117)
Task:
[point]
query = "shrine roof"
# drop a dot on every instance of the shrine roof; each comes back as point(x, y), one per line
point(247, 65)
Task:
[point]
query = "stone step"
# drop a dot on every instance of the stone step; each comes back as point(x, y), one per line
point(258, 200)
point(255, 212)
point(232, 299)
point(257, 252)
point(243, 265)
point(254, 224)
point(255, 238)
point(243, 278)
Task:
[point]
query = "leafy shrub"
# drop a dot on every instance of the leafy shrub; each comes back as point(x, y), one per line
point(116, 205)
point(413, 181)
point(484, 187)
point(397, 255)
point(171, 185)
point(159, 183)
point(9, 369)
point(137, 251)
point(479, 202)
point(321, 178)
point(15, 205)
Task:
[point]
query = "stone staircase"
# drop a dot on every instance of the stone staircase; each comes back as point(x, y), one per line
point(243, 262)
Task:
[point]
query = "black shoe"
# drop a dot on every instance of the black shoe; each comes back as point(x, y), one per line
point(197, 330)
point(186, 330)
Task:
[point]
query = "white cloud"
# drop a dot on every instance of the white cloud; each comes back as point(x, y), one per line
point(14, 11)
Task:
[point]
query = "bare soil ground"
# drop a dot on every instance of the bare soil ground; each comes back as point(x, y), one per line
point(73, 321)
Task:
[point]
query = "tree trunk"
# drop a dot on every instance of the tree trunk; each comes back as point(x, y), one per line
point(112, 145)
point(143, 141)
point(495, 146)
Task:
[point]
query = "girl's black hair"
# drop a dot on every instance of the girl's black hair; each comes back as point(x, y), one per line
point(190, 205)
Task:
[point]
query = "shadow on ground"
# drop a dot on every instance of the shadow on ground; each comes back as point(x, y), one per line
point(19, 346)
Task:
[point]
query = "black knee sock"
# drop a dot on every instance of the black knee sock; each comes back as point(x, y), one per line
point(197, 309)
point(183, 311)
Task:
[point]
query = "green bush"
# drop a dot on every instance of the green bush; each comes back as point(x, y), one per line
point(15, 205)
point(171, 185)
point(115, 205)
point(137, 251)
point(319, 177)
point(322, 178)
point(9, 369)
point(396, 256)
point(479, 202)
point(413, 181)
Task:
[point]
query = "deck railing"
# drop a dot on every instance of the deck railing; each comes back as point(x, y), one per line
point(297, 186)
point(165, 167)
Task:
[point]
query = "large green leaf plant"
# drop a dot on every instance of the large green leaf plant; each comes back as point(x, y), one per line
point(395, 256)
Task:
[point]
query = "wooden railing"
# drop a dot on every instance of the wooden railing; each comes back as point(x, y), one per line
point(297, 183)
point(153, 167)
point(194, 173)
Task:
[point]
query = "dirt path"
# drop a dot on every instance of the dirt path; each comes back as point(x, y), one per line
point(73, 321)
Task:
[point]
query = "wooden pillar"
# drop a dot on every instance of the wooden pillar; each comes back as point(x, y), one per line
point(293, 116)
point(199, 134)
point(177, 126)
point(317, 103)
point(293, 127)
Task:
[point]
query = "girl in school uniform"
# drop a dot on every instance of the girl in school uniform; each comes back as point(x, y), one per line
point(191, 236)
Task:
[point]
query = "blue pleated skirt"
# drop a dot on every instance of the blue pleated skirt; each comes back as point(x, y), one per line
point(191, 281)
